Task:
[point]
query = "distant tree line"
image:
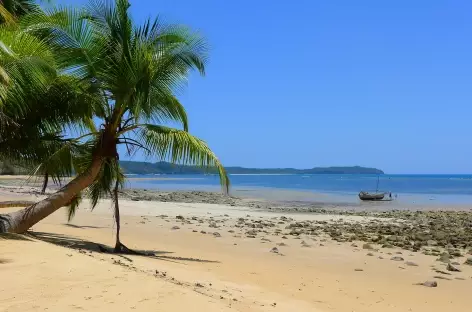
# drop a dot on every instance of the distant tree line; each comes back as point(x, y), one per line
point(136, 167)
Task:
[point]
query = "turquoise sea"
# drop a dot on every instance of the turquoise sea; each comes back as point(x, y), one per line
point(431, 189)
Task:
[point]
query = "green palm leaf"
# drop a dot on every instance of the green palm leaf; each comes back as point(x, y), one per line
point(180, 147)
point(73, 206)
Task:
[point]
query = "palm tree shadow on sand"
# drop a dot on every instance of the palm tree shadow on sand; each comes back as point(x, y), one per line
point(80, 244)
point(75, 226)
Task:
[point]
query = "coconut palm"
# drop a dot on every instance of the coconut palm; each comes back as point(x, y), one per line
point(136, 70)
point(41, 100)
point(37, 98)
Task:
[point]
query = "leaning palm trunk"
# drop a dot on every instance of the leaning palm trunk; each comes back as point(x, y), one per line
point(20, 221)
point(16, 203)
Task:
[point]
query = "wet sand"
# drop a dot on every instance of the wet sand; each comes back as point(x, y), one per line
point(219, 257)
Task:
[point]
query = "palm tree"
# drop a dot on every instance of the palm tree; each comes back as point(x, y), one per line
point(37, 99)
point(136, 71)
point(40, 98)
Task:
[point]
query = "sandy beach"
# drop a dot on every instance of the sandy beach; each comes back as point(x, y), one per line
point(215, 257)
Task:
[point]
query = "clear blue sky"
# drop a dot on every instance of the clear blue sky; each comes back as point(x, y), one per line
point(300, 84)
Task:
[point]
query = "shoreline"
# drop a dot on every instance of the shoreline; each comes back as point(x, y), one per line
point(302, 198)
point(278, 198)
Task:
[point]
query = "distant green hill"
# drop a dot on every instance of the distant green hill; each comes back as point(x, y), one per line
point(137, 167)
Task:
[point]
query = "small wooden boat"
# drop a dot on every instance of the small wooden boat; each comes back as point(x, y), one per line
point(371, 196)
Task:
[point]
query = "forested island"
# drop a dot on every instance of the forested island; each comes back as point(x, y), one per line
point(137, 167)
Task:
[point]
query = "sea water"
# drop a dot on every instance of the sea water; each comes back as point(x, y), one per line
point(444, 189)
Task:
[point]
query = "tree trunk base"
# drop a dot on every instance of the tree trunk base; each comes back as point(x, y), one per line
point(122, 249)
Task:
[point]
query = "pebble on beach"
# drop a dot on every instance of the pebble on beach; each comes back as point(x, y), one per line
point(452, 268)
point(430, 284)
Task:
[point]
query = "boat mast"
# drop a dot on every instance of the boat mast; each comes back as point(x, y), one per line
point(377, 187)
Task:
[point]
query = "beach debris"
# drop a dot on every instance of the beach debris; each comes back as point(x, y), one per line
point(444, 257)
point(354, 245)
point(251, 233)
point(397, 258)
point(216, 234)
point(441, 272)
point(282, 244)
point(199, 285)
point(452, 268)
point(274, 250)
point(358, 270)
point(175, 227)
point(367, 246)
point(370, 254)
point(459, 278)
point(468, 261)
point(411, 263)
point(429, 284)
point(443, 278)
point(180, 217)
point(295, 232)
point(203, 232)
point(305, 244)
point(265, 239)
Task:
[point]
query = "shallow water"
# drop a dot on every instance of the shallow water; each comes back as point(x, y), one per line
point(335, 188)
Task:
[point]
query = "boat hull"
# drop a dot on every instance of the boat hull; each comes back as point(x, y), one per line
point(371, 196)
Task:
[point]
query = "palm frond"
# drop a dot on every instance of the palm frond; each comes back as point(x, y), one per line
point(79, 50)
point(179, 146)
point(27, 64)
point(5, 16)
point(61, 162)
point(110, 172)
point(73, 206)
